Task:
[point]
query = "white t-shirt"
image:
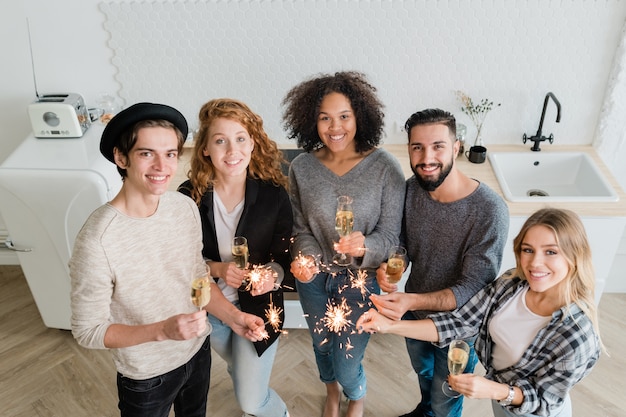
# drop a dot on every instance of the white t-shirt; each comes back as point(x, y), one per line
point(225, 229)
point(513, 329)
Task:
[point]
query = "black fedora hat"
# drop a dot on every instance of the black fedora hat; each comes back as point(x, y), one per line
point(127, 118)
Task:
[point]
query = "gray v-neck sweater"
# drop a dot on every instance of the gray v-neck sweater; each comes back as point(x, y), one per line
point(376, 185)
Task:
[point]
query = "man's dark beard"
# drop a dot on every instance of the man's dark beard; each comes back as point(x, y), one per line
point(430, 185)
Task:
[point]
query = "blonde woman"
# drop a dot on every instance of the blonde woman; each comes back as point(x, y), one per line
point(536, 326)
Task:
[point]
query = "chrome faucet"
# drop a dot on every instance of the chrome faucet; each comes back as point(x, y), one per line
point(538, 137)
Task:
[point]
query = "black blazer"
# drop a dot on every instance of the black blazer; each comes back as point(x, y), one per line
point(266, 221)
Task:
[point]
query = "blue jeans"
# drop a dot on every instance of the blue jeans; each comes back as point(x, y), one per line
point(186, 387)
point(339, 354)
point(249, 372)
point(431, 365)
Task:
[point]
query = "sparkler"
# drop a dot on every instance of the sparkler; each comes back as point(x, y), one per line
point(257, 277)
point(305, 262)
point(336, 318)
point(263, 334)
point(273, 316)
point(359, 282)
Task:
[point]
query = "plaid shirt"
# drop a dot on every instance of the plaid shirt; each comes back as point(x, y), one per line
point(561, 354)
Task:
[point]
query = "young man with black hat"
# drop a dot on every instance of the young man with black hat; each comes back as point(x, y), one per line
point(131, 272)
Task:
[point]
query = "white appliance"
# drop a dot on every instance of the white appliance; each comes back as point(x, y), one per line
point(59, 116)
point(48, 188)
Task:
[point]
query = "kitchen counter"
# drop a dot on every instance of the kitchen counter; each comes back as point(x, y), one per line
point(484, 173)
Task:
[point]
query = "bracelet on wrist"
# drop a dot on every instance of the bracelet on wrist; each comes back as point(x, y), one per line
point(509, 398)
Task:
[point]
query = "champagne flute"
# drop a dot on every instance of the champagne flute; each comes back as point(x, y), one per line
point(201, 290)
point(458, 355)
point(344, 221)
point(396, 263)
point(239, 249)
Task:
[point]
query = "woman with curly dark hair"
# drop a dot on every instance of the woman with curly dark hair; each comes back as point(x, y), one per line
point(338, 120)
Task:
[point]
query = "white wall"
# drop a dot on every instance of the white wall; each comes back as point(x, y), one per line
point(511, 52)
point(416, 52)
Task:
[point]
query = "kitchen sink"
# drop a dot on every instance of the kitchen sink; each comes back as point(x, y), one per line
point(550, 177)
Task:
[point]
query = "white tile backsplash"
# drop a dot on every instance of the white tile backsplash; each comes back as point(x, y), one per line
point(417, 52)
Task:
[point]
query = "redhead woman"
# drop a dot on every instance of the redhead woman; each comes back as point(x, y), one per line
point(237, 183)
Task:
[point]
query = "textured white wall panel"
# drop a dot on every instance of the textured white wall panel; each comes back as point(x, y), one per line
point(416, 52)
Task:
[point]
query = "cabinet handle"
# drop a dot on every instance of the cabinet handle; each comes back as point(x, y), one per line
point(10, 246)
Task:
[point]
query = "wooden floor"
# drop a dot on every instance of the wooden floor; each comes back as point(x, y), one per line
point(43, 372)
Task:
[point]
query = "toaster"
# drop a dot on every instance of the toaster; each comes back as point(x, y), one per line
point(61, 115)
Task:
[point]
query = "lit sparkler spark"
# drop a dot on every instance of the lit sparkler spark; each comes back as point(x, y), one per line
point(349, 345)
point(360, 281)
point(257, 277)
point(305, 262)
point(273, 316)
point(336, 318)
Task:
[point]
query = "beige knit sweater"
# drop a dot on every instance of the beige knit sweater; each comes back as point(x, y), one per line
point(137, 271)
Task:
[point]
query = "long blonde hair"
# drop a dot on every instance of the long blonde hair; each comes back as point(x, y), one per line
point(579, 285)
point(266, 159)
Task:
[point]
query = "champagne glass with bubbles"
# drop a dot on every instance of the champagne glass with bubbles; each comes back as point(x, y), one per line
point(344, 221)
point(201, 290)
point(458, 355)
point(396, 264)
point(239, 250)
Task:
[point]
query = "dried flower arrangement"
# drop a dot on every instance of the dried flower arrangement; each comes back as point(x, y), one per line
point(476, 112)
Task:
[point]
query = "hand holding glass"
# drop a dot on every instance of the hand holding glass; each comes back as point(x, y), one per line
point(458, 355)
point(344, 221)
point(396, 264)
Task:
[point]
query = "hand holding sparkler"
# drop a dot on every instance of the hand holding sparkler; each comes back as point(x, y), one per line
point(260, 279)
point(248, 325)
point(304, 268)
point(392, 305)
point(372, 322)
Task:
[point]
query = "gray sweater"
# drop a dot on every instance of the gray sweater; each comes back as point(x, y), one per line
point(376, 185)
point(454, 245)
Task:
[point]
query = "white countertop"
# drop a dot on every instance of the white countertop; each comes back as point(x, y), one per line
point(484, 173)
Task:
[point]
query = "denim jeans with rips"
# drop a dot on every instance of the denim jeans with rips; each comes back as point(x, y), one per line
point(249, 372)
point(338, 352)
